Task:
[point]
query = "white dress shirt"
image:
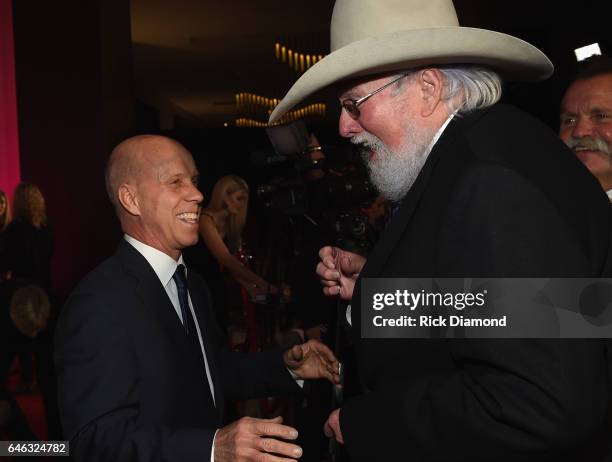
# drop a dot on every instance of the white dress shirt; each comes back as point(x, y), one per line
point(165, 267)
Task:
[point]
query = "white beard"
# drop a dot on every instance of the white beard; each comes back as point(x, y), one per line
point(393, 172)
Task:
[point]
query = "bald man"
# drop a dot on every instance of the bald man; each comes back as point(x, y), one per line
point(142, 374)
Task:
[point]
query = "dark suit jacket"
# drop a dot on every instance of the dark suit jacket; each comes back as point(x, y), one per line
point(130, 387)
point(499, 196)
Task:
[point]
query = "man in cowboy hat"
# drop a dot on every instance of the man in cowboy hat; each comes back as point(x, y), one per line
point(475, 196)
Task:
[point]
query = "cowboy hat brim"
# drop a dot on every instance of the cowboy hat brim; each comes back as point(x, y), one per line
point(512, 57)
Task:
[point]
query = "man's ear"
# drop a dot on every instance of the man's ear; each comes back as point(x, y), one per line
point(128, 199)
point(431, 83)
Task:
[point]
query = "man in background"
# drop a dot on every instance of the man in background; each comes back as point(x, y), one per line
point(586, 118)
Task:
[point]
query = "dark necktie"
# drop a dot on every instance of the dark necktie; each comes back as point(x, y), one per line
point(190, 329)
point(181, 285)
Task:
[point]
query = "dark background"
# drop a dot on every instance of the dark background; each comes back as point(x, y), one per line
point(91, 73)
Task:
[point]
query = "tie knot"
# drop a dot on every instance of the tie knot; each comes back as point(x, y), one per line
point(179, 276)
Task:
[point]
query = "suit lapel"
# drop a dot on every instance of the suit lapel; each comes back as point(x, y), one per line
point(156, 300)
point(202, 308)
point(400, 221)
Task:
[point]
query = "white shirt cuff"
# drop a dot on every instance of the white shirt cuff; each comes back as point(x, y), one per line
point(300, 382)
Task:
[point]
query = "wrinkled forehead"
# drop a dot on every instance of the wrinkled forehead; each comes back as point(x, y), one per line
point(594, 91)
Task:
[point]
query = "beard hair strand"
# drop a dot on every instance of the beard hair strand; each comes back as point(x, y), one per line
point(394, 172)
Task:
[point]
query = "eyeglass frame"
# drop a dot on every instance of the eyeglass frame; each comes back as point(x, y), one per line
point(354, 112)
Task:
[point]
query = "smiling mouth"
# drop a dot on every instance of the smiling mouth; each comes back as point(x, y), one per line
point(584, 149)
point(188, 217)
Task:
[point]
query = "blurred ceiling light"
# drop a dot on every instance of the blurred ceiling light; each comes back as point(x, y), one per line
point(316, 109)
point(246, 100)
point(299, 62)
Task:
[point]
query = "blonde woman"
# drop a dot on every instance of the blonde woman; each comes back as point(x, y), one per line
point(29, 238)
point(221, 225)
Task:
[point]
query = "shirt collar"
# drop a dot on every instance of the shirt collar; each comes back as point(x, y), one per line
point(163, 265)
point(609, 193)
point(440, 131)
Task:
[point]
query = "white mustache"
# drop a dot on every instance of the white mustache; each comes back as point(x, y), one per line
point(364, 139)
point(589, 142)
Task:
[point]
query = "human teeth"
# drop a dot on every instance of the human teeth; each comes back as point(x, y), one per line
point(188, 216)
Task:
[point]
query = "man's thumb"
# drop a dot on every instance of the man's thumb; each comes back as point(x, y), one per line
point(296, 353)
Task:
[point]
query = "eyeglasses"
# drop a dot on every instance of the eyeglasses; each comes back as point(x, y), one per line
point(351, 106)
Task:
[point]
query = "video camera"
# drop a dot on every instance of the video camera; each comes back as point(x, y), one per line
point(309, 182)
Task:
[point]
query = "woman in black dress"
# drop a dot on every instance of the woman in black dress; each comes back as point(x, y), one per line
point(29, 238)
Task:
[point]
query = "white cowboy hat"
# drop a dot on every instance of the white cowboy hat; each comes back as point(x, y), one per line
point(376, 36)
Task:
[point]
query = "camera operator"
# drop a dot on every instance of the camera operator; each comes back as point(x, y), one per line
point(320, 199)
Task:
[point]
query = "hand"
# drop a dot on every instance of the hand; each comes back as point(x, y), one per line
point(332, 427)
point(256, 440)
point(313, 360)
point(338, 270)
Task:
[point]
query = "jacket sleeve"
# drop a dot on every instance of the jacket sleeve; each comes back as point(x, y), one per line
point(516, 400)
point(255, 375)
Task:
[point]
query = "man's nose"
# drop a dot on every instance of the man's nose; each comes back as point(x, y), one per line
point(347, 126)
point(195, 194)
point(582, 128)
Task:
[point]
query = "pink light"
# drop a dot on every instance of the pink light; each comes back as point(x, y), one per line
point(9, 131)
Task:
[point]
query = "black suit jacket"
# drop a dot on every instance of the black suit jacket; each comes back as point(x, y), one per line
point(130, 387)
point(499, 196)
